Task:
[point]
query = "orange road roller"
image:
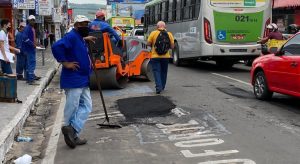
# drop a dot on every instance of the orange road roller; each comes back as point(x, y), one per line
point(115, 64)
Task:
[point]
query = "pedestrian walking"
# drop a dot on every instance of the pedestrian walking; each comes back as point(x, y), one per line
point(45, 37)
point(5, 47)
point(52, 38)
point(161, 42)
point(21, 57)
point(71, 51)
point(29, 44)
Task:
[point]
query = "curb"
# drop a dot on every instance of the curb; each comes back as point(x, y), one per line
point(8, 133)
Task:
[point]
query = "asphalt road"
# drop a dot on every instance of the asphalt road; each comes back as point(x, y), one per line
point(216, 120)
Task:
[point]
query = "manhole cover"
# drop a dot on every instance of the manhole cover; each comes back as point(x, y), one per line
point(237, 92)
point(142, 107)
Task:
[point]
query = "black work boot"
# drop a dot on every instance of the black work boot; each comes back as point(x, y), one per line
point(69, 135)
point(80, 141)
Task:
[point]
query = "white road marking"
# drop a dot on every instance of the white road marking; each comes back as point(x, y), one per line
point(189, 136)
point(189, 154)
point(183, 129)
point(190, 123)
point(227, 161)
point(240, 81)
point(52, 144)
point(178, 112)
point(199, 143)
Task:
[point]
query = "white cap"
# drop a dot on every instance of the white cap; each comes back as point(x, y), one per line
point(81, 18)
point(272, 26)
point(31, 17)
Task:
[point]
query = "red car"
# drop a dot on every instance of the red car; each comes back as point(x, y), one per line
point(278, 72)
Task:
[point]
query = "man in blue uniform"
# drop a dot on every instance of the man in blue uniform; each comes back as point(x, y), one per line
point(71, 51)
point(29, 49)
point(100, 24)
point(21, 58)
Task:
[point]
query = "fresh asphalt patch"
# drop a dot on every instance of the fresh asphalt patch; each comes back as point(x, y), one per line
point(142, 107)
point(145, 113)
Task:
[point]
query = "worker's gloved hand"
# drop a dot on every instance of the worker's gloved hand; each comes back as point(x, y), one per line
point(71, 65)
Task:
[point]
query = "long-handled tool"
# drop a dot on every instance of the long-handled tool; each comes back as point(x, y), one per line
point(108, 125)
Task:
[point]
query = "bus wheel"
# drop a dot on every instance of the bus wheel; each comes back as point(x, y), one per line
point(224, 63)
point(175, 53)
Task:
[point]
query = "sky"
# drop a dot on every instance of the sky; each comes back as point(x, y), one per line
point(88, 1)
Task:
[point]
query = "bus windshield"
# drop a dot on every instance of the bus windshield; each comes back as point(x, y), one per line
point(238, 3)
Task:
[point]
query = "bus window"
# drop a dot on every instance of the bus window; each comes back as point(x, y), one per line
point(178, 10)
point(170, 11)
point(174, 7)
point(159, 13)
point(152, 15)
point(197, 9)
point(186, 9)
point(165, 9)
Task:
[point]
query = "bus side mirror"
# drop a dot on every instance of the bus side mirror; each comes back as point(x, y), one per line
point(142, 20)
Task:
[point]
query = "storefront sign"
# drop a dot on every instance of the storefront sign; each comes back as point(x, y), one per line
point(25, 4)
point(44, 7)
point(36, 7)
point(56, 16)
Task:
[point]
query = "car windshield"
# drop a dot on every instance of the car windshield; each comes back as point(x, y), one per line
point(139, 33)
point(289, 47)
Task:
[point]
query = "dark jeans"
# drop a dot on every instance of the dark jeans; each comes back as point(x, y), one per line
point(31, 64)
point(6, 67)
point(46, 43)
point(21, 64)
point(160, 71)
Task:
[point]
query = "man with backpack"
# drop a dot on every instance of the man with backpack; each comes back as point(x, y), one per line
point(161, 42)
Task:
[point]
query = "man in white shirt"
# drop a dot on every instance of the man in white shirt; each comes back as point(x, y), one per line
point(4, 46)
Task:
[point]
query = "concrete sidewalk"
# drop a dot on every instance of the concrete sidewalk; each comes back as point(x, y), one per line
point(13, 115)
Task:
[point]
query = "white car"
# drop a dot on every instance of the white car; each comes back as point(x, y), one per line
point(138, 32)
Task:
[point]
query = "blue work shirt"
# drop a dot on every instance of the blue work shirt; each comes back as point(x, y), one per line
point(28, 45)
point(103, 27)
point(19, 38)
point(72, 48)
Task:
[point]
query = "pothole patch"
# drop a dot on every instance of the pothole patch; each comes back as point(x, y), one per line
point(145, 107)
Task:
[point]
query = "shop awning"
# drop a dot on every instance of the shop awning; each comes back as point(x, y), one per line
point(286, 3)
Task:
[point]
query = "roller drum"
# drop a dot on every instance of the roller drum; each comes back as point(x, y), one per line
point(109, 79)
point(147, 70)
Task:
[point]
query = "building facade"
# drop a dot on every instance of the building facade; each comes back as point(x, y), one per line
point(285, 13)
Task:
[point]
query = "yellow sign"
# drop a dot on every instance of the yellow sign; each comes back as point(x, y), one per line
point(123, 22)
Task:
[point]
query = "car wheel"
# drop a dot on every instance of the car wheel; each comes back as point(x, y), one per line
point(175, 54)
point(260, 88)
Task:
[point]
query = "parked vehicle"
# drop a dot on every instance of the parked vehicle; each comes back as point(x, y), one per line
point(278, 72)
point(225, 42)
point(138, 32)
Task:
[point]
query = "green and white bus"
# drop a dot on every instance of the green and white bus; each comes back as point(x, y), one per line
point(224, 31)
